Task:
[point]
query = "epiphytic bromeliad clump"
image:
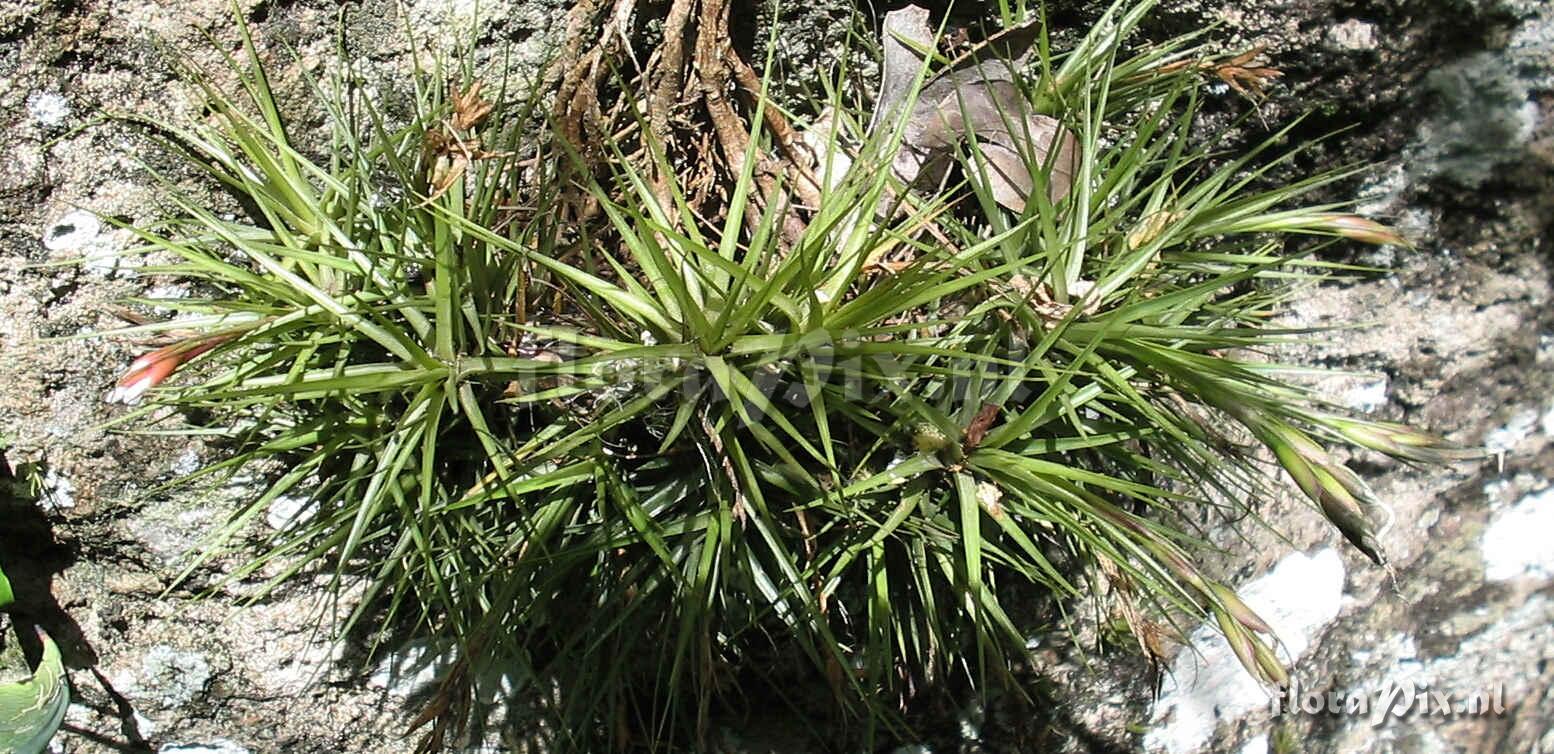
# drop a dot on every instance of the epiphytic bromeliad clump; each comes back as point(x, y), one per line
point(647, 431)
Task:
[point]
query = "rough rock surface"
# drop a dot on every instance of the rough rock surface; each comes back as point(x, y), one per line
point(1451, 100)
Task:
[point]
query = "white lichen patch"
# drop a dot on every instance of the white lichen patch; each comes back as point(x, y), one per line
point(59, 493)
point(187, 461)
point(1516, 542)
point(48, 109)
point(145, 725)
point(1257, 744)
point(287, 512)
point(1354, 35)
point(1207, 685)
point(1367, 397)
point(170, 678)
point(79, 235)
point(1505, 438)
point(72, 231)
point(410, 669)
point(415, 667)
point(1505, 491)
point(455, 19)
point(1394, 648)
point(1383, 192)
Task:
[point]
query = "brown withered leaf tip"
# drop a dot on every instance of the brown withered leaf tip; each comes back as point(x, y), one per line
point(448, 150)
point(469, 110)
point(1246, 80)
point(979, 426)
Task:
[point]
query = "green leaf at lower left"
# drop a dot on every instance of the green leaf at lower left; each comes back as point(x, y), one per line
point(30, 711)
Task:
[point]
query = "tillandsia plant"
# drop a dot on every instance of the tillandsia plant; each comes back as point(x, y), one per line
point(548, 411)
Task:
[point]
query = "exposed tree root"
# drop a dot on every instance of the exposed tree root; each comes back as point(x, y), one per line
point(696, 96)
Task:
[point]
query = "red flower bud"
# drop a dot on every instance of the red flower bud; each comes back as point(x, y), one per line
point(153, 368)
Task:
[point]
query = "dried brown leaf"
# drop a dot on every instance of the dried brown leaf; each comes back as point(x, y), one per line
point(979, 426)
point(973, 98)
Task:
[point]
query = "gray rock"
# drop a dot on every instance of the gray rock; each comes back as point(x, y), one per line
point(215, 746)
point(1487, 113)
point(172, 678)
